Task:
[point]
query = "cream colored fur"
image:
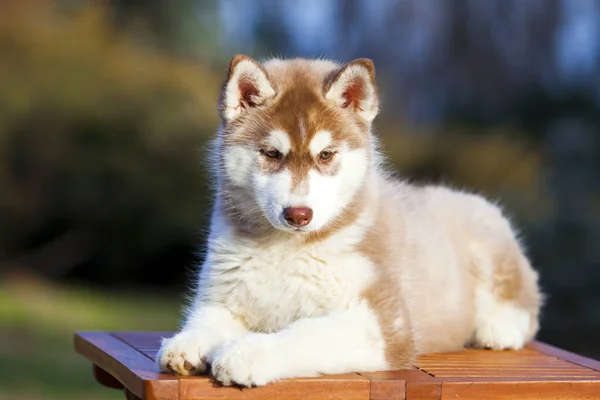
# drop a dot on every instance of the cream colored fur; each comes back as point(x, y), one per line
point(417, 269)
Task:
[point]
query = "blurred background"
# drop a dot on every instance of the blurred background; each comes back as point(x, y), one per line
point(106, 108)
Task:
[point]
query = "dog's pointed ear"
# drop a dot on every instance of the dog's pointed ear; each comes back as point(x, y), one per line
point(353, 87)
point(247, 85)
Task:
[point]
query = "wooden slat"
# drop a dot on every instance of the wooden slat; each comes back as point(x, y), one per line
point(348, 386)
point(538, 371)
point(151, 354)
point(133, 369)
point(138, 340)
point(532, 362)
point(565, 355)
point(584, 390)
point(423, 390)
point(393, 384)
point(147, 343)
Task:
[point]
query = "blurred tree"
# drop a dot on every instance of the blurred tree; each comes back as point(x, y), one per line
point(101, 159)
point(185, 28)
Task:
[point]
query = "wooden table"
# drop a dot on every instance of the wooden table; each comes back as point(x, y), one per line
point(125, 360)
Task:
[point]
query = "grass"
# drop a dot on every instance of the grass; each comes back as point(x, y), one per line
point(37, 322)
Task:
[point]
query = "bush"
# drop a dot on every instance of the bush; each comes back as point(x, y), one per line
point(100, 142)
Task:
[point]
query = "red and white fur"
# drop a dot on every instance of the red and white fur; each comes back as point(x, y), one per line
point(318, 262)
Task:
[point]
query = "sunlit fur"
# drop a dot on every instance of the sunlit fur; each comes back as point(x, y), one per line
point(384, 270)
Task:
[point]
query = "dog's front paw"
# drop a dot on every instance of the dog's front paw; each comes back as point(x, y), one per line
point(185, 354)
point(246, 362)
point(506, 327)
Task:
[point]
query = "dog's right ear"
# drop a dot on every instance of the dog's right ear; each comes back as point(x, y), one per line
point(247, 85)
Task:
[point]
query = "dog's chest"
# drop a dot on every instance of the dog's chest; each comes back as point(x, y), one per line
point(272, 287)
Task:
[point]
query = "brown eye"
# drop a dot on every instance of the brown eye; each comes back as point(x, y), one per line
point(325, 155)
point(274, 154)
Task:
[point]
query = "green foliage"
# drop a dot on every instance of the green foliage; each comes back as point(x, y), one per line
point(97, 134)
point(509, 165)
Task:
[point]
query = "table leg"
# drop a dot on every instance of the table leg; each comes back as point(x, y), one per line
point(105, 378)
point(129, 395)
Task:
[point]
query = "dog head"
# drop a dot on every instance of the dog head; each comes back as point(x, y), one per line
point(295, 142)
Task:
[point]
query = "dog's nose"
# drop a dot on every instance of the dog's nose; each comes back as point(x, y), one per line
point(298, 216)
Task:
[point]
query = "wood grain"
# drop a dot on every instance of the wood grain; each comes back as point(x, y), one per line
point(531, 362)
point(423, 390)
point(348, 386)
point(584, 390)
point(147, 343)
point(539, 371)
point(393, 384)
point(134, 370)
point(565, 355)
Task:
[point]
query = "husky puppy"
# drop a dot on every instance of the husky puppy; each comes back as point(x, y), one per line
point(318, 261)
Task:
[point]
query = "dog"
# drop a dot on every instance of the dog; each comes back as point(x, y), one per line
point(319, 261)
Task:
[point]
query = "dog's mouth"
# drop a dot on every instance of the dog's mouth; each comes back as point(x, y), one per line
point(283, 225)
point(294, 229)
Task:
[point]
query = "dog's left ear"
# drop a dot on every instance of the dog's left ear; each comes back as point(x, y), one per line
point(247, 86)
point(353, 87)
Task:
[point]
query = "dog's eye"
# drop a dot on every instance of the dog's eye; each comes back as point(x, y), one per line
point(274, 154)
point(325, 155)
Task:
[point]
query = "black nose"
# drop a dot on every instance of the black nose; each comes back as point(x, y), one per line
point(298, 216)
